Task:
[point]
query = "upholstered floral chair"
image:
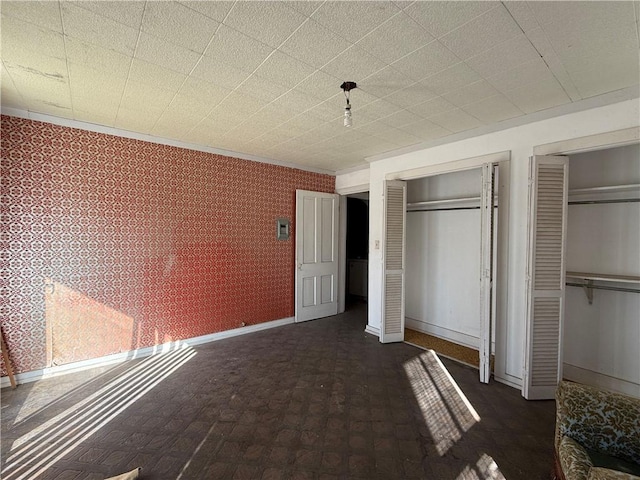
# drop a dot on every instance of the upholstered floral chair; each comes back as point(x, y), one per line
point(597, 434)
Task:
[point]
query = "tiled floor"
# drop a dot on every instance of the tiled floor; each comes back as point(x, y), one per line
point(320, 400)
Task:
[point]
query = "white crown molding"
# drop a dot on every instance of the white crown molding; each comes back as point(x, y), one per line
point(357, 168)
point(115, 358)
point(93, 127)
point(610, 98)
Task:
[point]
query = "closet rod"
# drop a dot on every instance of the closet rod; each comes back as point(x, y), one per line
point(441, 209)
point(593, 202)
point(602, 287)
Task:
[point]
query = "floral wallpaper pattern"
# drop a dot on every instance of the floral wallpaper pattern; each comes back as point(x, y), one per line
point(110, 244)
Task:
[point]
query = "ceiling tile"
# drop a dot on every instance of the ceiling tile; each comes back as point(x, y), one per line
point(481, 33)
point(456, 120)
point(219, 73)
point(541, 42)
point(470, 93)
point(51, 107)
point(326, 111)
point(198, 88)
point(304, 7)
point(215, 10)
point(106, 106)
point(155, 75)
point(45, 14)
point(353, 20)
point(263, 89)
point(284, 70)
point(178, 24)
point(353, 65)
point(183, 105)
point(51, 84)
point(87, 82)
point(93, 117)
point(426, 61)
point(127, 13)
point(401, 118)
point(269, 22)
point(239, 104)
point(504, 56)
point(97, 58)
point(237, 50)
point(538, 96)
point(606, 74)
point(146, 98)
point(395, 38)
point(384, 82)
point(530, 72)
point(19, 39)
point(431, 107)
point(440, 18)
point(135, 120)
point(493, 109)
point(373, 111)
point(297, 101)
point(92, 28)
point(320, 85)
point(426, 130)
point(410, 96)
point(522, 14)
point(451, 79)
point(167, 55)
point(38, 67)
point(314, 44)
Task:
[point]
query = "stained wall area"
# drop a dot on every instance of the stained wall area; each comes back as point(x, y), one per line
point(110, 244)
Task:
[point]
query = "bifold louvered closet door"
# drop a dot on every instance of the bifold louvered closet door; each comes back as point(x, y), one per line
point(395, 203)
point(545, 275)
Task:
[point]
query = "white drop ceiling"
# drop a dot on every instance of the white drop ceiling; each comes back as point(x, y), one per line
point(262, 78)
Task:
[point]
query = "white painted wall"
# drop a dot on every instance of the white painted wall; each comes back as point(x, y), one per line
point(443, 260)
point(604, 338)
point(587, 118)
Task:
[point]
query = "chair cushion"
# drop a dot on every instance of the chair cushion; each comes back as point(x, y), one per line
point(599, 420)
point(599, 459)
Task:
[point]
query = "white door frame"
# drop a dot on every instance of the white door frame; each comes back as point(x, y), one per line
point(503, 160)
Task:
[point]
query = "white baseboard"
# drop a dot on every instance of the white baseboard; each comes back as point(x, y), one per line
point(372, 330)
point(444, 333)
point(57, 370)
point(589, 377)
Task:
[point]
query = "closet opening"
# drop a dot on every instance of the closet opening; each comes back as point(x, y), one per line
point(357, 250)
point(602, 296)
point(446, 262)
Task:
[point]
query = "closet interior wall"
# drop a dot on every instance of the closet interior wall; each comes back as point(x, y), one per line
point(443, 256)
point(601, 339)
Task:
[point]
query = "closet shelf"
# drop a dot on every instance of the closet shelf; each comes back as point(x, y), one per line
point(608, 194)
point(607, 189)
point(463, 202)
point(588, 285)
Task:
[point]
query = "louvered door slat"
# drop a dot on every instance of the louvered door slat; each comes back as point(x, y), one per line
point(545, 295)
point(393, 295)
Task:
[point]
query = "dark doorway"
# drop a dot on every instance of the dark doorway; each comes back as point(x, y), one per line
point(357, 248)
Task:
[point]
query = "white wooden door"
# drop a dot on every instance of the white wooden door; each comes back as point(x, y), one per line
point(486, 269)
point(316, 255)
point(548, 178)
point(395, 207)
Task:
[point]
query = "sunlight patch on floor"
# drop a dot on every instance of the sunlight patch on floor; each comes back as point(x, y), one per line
point(34, 453)
point(446, 410)
point(484, 469)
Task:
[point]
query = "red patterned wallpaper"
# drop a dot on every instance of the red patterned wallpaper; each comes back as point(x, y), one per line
point(111, 244)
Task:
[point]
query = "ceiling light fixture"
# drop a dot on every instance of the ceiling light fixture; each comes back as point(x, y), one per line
point(347, 87)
